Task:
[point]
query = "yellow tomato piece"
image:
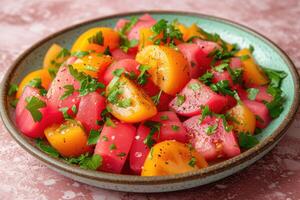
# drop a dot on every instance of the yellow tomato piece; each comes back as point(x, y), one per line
point(111, 39)
point(69, 138)
point(252, 72)
point(172, 157)
point(243, 119)
point(55, 56)
point(168, 68)
point(42, 74)
point(93, 64)
point(131, 104)
point(145, 35)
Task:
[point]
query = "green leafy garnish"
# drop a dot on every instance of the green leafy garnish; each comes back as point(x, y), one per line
point(205, 111)
point(156, 98)
point(52, 72)
point(143, 77)
point(110, 122)
point(175, 128)
point(112, 147)
point(93, 137)
point(192, 162)
point(64, 111)
point(180, 99)
point(74, 109)
point(222, 87)
point(80, 54)
point(164, 117)
point(124, 103)
point(63, 53)
point(251, 48)
point(118, 72)
point(252, 92)
point(96, 39)
point(125, 44)
point(194, 86)
point(210, 130)
point(13, 103)
point(33, 106)
point(247, 140)
point(12, 89)
point(154, 127)
point(275, 77)
point(122, 154)
point(275, 107)
point(244, 57)
point(69, 89)
point(46, 148)
point(207, 78)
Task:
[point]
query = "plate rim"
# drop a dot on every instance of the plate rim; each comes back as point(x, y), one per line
point(133, 179)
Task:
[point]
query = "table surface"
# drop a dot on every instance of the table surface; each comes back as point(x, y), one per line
point(276, 176)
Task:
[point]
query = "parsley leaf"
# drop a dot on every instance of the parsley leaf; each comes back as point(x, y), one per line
point(46, 148)
point(275, 76)
point(52, 72)
point(175, 128)
point(247, 140)
point(118, 72)
point(210, 130)
point(64, 111)
point(156, 98)
point(164, 117)
point(154, 127)
point(110, 122)
point(112, 147)
point(14, 103)
point(63, 53)
point(205, 111)
point(244, 57)
point(252, 92)
point(80, 54)
point(93, 137)
point(92, 163)
point(96, 39)
point(143, 77)
point(275, 107)
point(192, 162)
point(33, 106)
point(124, 103)
point(222, 87)
point(122, 154)
point(207, 78)
point(69, 89)
point(180, 99)
point(194, 86)
point(12, 89)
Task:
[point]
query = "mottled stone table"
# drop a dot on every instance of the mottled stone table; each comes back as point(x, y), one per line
point(275, 177)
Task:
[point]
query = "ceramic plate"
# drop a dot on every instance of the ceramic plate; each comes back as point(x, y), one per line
point(266, 53)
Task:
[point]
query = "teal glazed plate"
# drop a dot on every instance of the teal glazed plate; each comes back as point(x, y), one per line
point(266, 53)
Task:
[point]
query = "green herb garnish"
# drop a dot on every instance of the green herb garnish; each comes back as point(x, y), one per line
point(33, 106)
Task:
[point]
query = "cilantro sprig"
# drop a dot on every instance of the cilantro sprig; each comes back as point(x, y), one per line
point(154, 127)
point(33, 106)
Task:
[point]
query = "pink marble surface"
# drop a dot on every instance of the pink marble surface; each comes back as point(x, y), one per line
point(276, 176)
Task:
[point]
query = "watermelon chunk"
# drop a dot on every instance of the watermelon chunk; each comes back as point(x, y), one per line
point(114, 145)
point(215, 144)
point(119, 54)
point(194, 99)
point(260, 111)
point(87, 116)
point(56, 90)
point(25, 121)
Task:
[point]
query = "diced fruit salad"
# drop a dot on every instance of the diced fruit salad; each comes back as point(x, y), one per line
point(147, 97)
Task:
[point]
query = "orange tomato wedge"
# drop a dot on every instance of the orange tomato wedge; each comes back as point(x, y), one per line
point(55, 56)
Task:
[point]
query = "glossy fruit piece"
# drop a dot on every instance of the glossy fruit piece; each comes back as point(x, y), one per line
point(95, 48)
point(93, 64)
point(144, 21)
point(172, 157)
point(164, 116)
point(214, 144)
point(56, 90)
point(139, 150)
point(114, 145)
point(243, 119)
point(141, 106)
point(260, 111)
point(111, 39)
point(173, 131)
point(235, 63)
point(119, 54)
point(192, 100)
point(220, 76)
point(252, 75)
point(87, 116)
point(69, 138)
point(42, 74)
point(169, 69)
point(54, 57)
point(129, 66)
point(197, 59)
point(206, 46)
point(24, 119)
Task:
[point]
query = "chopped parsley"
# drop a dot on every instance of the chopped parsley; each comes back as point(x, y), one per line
point(118, 72)
point(63, 53)
point(33, 106)
point(180, 99)
point(247, 140)
point(64, 111)
point(275, 107)
point(96, 39)
point(109, 122)
point(124, 103)
point(164, 117)
point(74, 109)
point(104, 138)
point(122, 154)
point(211, 129)
point(12, 89)
point(194, 86)
point(192, 162)
point(46, 148)
point(207, 78)
point(69, 89)
point(275, 76)
point(154, 127)
point(125, 43)
point(252, 93)
point(175, 128)
point(251, 48)
point(156, 98)
point(205, 111)
point(143, 77)
point(93, 137)
point(80, 54)
point(87, 161)
point(112, 147)
point(14, 103)
point(222, 87)
point(52, 72)
point(244, 57)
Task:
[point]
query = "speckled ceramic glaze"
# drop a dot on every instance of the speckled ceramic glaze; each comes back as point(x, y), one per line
point(266, 53)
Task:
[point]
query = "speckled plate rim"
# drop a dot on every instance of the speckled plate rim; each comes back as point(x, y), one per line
point(138, 180)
